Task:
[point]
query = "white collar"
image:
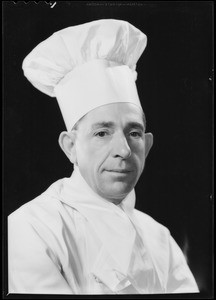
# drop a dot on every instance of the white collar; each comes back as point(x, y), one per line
point(105, 217)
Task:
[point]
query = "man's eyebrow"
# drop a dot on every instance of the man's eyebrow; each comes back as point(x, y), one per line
point(102, 125)
point(136, 125)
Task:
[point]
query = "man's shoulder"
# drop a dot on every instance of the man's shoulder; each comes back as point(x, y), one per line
point(47, 204)
point(149, 225)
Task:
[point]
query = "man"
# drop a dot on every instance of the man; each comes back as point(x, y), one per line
point(83, 234)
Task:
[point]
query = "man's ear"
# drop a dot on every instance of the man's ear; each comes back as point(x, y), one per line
point(148, 142)
point(67, 144)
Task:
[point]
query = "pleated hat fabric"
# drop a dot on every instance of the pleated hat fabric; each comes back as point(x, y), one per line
point(87, 65)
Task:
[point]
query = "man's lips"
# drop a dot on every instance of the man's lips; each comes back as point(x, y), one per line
point(119, 171)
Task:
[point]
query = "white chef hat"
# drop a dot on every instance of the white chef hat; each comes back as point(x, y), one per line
point(87, 66)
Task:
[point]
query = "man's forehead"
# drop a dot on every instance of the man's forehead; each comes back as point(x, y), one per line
point(112, 115)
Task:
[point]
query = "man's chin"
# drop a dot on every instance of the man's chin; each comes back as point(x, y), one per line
point(116, 195)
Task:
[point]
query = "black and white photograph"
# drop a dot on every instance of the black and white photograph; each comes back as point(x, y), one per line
point(108, 149)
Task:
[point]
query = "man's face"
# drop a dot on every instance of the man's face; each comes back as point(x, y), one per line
point(110, 149)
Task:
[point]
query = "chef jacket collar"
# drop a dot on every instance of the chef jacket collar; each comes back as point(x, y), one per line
point(105, 217)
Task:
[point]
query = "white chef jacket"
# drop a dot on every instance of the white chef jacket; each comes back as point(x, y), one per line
point(69, 240)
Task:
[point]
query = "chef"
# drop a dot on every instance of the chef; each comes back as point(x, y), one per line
point(83, 234)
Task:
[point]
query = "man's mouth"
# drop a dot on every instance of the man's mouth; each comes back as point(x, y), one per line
point(121, 171)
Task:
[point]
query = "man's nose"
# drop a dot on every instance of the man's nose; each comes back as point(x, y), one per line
point(121, 147)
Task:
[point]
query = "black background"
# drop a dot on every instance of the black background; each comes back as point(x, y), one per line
point(175, 86)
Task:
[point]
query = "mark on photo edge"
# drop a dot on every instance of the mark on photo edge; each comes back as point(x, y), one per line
point(51, 3)
point(117, 3)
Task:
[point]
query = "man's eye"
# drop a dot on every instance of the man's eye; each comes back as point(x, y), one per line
point(135, 134)
point(101, 134)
